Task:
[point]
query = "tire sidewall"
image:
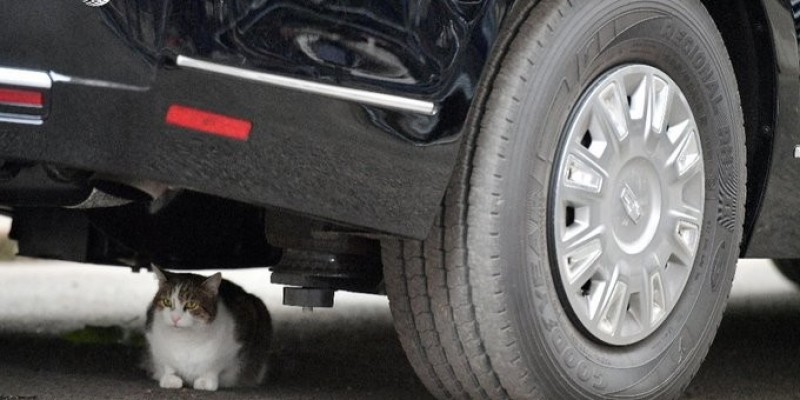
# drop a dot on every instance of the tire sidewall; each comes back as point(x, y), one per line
point(680, 40)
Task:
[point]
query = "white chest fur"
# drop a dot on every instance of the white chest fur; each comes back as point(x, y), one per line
point(196, 351)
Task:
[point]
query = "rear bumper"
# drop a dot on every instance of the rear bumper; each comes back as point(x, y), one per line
point(306, 153)
point(115, 73)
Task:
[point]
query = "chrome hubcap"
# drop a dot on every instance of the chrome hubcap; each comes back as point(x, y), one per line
point(628, 203)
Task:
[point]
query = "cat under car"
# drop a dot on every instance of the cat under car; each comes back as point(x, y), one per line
point(206, 333)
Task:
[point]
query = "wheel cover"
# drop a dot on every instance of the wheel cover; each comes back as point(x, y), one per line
point(627, 203)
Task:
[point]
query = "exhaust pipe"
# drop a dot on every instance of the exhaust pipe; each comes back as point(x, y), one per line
point(44, 185)
point(128, 188)
point(100, 199)
point(111, 191)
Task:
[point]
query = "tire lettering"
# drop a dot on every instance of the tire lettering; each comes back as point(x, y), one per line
point(559, 343)
point(583, 371)
point(719, 266)
point(599, 381)
point(575, 361)
point(690, 48)
point(717, 100)
point(569, 359)
point(698, 59)
point(541, 301)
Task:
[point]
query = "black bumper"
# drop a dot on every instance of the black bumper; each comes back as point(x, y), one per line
point(361, 165)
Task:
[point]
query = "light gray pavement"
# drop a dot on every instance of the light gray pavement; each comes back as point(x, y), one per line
point(348, 352)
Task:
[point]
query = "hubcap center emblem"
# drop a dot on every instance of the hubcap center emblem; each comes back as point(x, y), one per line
point(630, 201)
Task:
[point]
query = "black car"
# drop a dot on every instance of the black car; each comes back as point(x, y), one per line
point(552, 193)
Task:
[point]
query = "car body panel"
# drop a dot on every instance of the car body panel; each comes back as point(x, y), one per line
point(774, 233)
point(370, 167)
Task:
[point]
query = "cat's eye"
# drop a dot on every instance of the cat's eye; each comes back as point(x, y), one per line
point(191, 305)
point(166, 302)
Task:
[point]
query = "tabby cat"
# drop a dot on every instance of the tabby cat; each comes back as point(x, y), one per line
point(206, 332)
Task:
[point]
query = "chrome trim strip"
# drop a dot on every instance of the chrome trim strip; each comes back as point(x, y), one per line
point(25, 78)
point(21, 119)
point(797, 151)
point(356, 95)
point(61, 78)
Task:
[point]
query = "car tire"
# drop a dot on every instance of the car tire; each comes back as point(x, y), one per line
point(480, 307)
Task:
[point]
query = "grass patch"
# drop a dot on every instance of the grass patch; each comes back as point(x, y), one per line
point(8, 249)
point(105, 335)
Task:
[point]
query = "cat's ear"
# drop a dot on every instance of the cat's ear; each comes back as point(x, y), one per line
point(162, 277)
point(212, 283)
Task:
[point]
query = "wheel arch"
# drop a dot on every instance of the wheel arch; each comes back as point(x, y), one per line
point(745, 29)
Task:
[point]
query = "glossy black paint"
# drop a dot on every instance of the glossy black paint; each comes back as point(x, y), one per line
point(431, 50)
point(775, 233)
point(363, 166)
point(71, 39)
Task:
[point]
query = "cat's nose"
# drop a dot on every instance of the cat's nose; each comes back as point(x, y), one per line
point(175, 319)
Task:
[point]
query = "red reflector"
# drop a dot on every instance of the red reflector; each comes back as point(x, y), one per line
point(23, 98)
point(204, 121)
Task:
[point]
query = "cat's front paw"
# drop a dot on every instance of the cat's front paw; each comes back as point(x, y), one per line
point(170, 381)
point(206, 383)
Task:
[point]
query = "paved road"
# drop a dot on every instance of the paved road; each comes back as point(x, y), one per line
point(350, 352)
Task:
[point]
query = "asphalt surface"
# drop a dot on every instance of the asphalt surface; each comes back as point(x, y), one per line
point(350, 352)
point(47, 351)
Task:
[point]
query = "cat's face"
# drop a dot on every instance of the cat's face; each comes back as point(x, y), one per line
point(186, 300)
